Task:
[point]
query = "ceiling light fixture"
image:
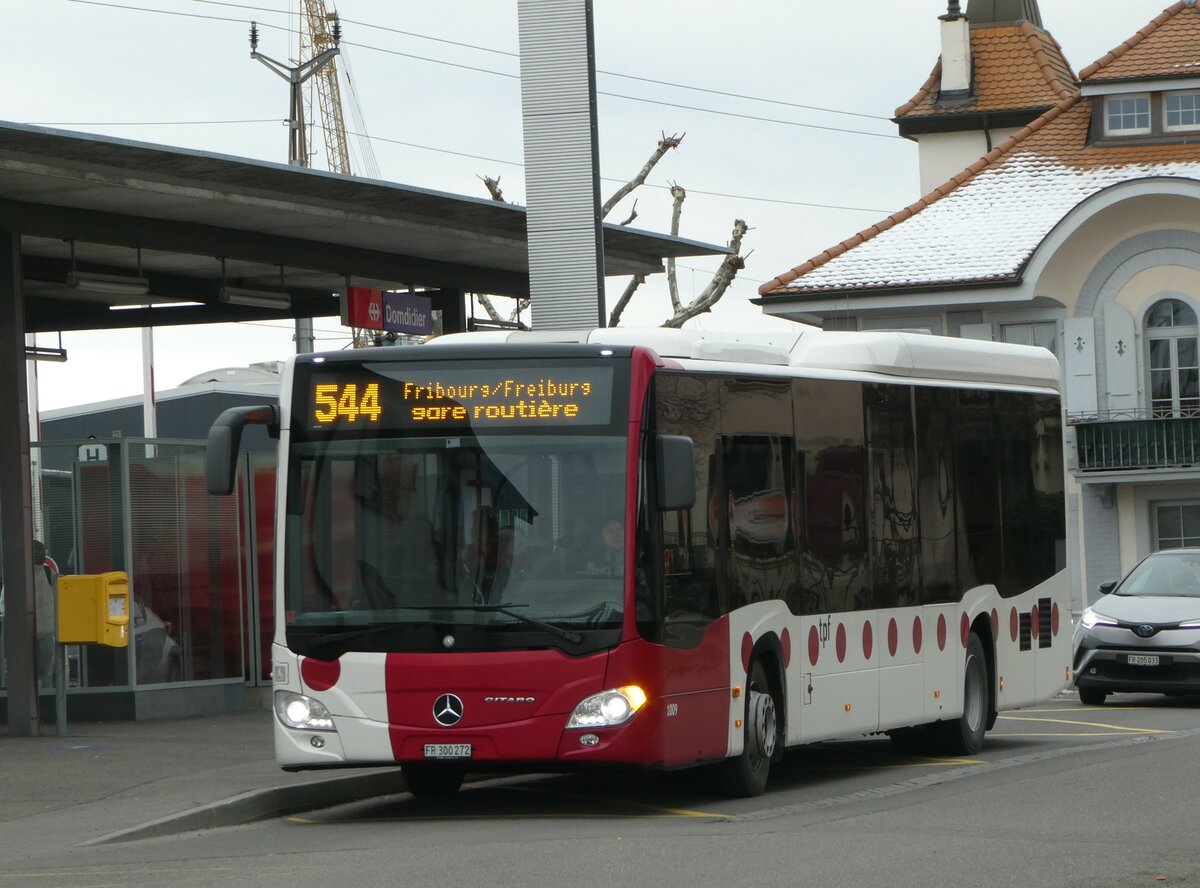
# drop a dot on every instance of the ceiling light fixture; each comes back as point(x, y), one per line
point(108, 284)
point(255, 298)
point(155, 304)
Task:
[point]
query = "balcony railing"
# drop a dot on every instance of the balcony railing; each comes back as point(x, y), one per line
point(1131, 441)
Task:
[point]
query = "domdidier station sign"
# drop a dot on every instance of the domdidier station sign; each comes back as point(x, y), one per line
point(387, 311)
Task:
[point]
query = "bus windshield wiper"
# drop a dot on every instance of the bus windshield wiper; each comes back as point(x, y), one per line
point(506, 609)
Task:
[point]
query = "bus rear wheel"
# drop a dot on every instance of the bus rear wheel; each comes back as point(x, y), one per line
point(964, 735)
point(432, 779)
point(745, 775)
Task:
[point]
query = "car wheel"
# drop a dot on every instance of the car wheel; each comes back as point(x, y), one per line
point(745, 775)
point(1092, 696)
point(964, 735)
point(432, 779)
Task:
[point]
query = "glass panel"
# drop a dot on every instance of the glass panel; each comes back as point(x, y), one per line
point(1182, 109)
point(936, 494)
point(1182, 314)
point(1017, 334)
point(977, 473)
point(1046, 335)
point(1160, 354)
point(831, 464)
point(1160, 386)
point(895, 536)
point(1128, 113)
point(1186, 348)
point(758, 450)
point(1170, 524)
point(1188, 388)
point(187, 575)
point(391, 533)
point(689, 405)
point(1191, 523)
point(1161, 315)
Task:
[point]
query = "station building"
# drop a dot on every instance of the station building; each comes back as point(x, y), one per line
point(1059, 210)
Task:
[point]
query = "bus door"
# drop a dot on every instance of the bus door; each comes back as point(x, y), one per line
point(694, 667)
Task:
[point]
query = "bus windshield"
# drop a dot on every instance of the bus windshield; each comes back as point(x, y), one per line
point(504, 540)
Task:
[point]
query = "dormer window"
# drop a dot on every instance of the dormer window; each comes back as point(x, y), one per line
point(1181, 110)
point(1127, 115)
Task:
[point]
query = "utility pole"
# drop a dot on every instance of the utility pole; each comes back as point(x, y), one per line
point(296, 76)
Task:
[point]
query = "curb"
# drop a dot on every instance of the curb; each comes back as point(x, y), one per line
point(262, 804)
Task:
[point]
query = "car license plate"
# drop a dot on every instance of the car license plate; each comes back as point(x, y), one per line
point(1142, 659)
point(447, 750)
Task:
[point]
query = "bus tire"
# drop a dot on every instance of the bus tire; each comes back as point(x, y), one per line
point(964, 735)
point(745, 775)
point(432, 778)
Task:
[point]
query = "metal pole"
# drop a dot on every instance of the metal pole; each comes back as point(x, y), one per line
point(16, 520)
point(60, 688)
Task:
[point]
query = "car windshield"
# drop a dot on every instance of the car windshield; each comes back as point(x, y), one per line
point(1168, 574)
point(499, 533)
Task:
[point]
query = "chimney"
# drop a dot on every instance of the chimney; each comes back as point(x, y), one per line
point(956, 51)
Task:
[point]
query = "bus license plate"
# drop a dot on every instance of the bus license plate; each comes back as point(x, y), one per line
point(1142, 659)
point(447, 750)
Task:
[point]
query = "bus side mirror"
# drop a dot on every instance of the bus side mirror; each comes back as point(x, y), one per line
point(224, 439)
point(676, 472)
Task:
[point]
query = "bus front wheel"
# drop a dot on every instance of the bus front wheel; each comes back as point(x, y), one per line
point(745, 775)
point(432, 779)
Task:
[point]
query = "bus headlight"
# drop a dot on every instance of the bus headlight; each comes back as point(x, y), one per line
point(301, 712)
point(608, 708)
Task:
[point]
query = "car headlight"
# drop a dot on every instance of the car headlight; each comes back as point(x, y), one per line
point(1090, 618)
point(1190, 624)
point(608, 708)
point(301, 712)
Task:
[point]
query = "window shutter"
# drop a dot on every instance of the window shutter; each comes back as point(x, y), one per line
point(1079, 365)
point(1120, 359)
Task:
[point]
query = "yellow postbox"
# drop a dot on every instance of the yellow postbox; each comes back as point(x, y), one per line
point(94, 609)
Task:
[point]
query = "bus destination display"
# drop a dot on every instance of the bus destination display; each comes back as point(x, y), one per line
point(388, 396)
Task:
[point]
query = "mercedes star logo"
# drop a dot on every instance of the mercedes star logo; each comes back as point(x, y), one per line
point(447, 710)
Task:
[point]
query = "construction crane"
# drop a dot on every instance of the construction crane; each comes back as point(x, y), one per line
point(321, 31)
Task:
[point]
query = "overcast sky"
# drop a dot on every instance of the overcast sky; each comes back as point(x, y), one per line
point(434, 87)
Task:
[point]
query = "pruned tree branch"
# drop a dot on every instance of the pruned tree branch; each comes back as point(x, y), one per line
point(678, 196)
point(665, 144)
point(488, 306)
point(493, 187)
point(730, 266)
point(632, 214)
point(614, 317)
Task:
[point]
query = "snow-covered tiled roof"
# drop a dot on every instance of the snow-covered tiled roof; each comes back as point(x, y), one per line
point(1169, 45)
point(984, 224)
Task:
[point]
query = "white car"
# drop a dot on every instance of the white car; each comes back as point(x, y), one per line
point(1144, 634)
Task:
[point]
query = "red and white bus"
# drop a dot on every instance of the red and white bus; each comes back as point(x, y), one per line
point(659, 548)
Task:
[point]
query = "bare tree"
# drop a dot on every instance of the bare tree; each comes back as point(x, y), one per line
point(707, 298)
point(665, 144)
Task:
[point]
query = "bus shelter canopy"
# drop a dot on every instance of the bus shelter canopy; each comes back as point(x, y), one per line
point(89, 224)
point(106, 222)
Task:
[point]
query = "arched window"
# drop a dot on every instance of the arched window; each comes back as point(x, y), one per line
point(1171, 333)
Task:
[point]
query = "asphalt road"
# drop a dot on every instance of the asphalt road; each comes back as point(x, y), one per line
point(1062, 795)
